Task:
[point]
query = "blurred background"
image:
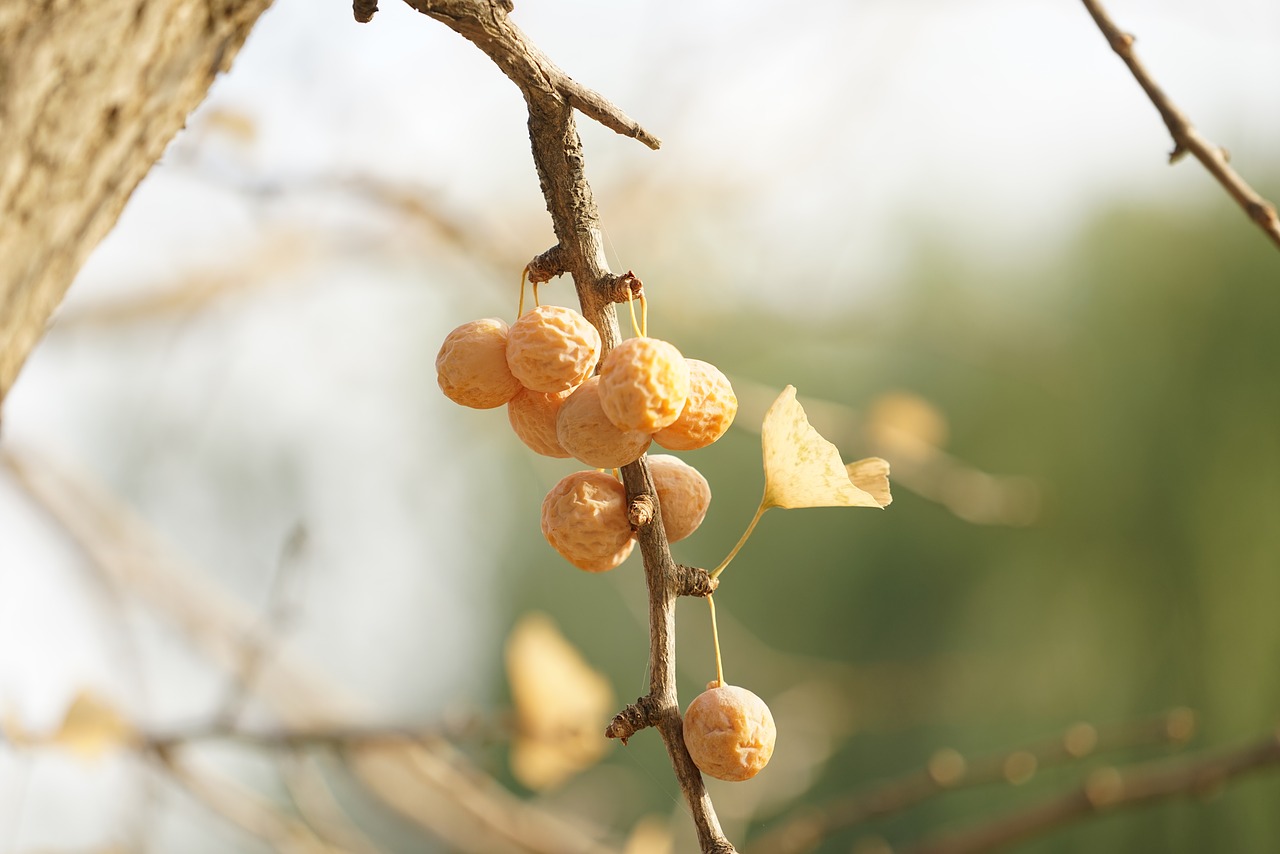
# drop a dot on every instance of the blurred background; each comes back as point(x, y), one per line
point(951, 227)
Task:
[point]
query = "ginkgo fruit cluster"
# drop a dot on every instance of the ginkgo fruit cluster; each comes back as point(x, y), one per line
point(564, 401)
point(544, 368)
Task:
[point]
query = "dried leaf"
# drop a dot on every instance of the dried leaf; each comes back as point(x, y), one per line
point(91, 727)
point(561, 704)
point(872, 477)
point(802, 469)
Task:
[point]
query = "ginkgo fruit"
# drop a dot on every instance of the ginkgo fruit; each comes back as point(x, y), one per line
point(644, 383)
point(730, 732)
point(584, 518)
point(585, 432)
point(683, 494)
point(471, 366)
point(708, 411)
point(533, 418)
point(552, 348)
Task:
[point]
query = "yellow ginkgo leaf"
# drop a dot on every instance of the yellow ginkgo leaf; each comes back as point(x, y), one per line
point(561, 705)
point(91, 727)
point(802, 469)
point(872, 477)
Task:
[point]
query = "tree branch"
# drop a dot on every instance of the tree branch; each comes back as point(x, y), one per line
point(1109, 789)
point(948, 771)
point(1185, 136)
point(485, 24)
point(552, 97)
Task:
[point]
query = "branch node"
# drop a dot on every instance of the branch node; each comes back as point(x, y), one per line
point(364, 9)
point(694, 581)
point(635, 717)
point(620, 289)
point(547, 266)
point(640, 511)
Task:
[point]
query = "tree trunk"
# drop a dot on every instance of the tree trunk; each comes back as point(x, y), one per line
point(91, 92)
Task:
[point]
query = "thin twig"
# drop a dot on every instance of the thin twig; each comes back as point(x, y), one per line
point(552, 97)
point(1109, 789)
point(948, 770)
point(244, 808)
point(425, 779)
point(332, 738)
point(319, 807)
point(1185, 136)
point(281, 613)
point(485, 24)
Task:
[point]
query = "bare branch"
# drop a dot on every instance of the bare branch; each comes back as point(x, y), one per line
point(1109, 789)
point(243, 808)
point(485, 24)
point(948, 771)
point(425, 779)
point(1185, 136)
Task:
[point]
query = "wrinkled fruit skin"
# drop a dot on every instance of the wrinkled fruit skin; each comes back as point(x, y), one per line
point(584, 518)
point(587, 434)
point(708, 412)
point(533, 418)
point(471, 366)
point(552, 348)
point(729, 732)
point(644, 383)
point(683, 494)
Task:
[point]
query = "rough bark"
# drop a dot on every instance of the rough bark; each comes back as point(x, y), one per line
point(91, 92)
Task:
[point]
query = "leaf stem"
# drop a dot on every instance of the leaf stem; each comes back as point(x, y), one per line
point(754, 519)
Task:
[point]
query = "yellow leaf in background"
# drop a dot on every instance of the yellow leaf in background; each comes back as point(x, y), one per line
point(651, 835)
point(12, 730)
point(903, 424)
point(91, 727)
point(802, 469)
point(872, 477)
point(562, 705)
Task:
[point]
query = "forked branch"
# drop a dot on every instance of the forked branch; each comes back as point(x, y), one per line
point(1186, 139)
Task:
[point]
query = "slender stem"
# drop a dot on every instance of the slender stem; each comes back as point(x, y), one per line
point(715, 573)
point(524, 276)
point(635, 325)
point(715, 640)
point(1186, 138)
